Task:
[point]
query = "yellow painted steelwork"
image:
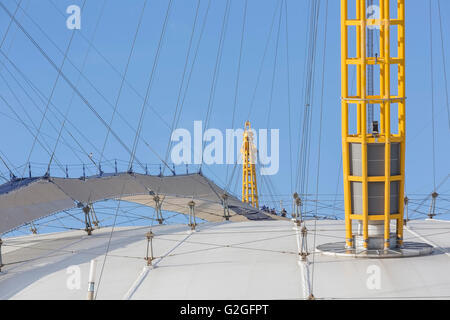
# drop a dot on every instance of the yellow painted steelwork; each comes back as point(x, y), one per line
point(248, 151)
point(356, 39)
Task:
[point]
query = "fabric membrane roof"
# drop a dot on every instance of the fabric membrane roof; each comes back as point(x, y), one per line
point(25, 200)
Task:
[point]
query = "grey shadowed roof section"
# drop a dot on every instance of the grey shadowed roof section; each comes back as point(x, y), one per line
point(26, 200)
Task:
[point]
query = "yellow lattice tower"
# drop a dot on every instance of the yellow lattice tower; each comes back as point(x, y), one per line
point(373, 158)
point(248, 151)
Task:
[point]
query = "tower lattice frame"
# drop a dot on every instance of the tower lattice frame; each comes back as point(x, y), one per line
point(366, 141)
point(249, 185)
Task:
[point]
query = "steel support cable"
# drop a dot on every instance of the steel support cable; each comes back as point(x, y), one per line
point(15, 31)
point(109, 240)
point(59, 70)
point(5, 159)
point(444, 64)
point(36, 223)
point(262, 186)
point(33, 104)
point(265, 185)
point(308, 105)
point(254, 232)
point(320, 137)
point(427, 213)
point(230, 180)
point(179, 105)
point(215, 214)
point(129, 211)
point(44, 223)
point(59, 220)
point(130, 206)
point(83, 252)
point(207, 184)
point(230, 246)
point(2, 153)
point(42, 98)
point(52, 63)
point(87, 80)
point(304, 151)
point(27, 114)
point(138, 27)
point(85, 101)
point(109, 63)
point(217, 66)
point(7, 167)
point(272, 87)
point(302, 128)
point(29, 130)
point(305, 184)
point(69, 107)
point(3, 177)
point(265, 180)
point(309, 109)
point(9, 24)
point(270, 186)
point(310, 69)
point(146, 187)
point(340, 172)
point(33, 125)
point(127, 214)
point(288, 76)
point(306, 52)
point(233, 245)
point(120, 224)
point(237, 245)
point(91, 84)
point(68, 214)
point(215, 246)
point(306, 93)
point(191, 69)
point(149, 86)
point(432, 97)
point(238, 78)
point(1, 45)
point(436, 190)
point(258, 78)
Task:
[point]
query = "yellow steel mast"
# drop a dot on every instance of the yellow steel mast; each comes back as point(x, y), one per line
point(248, 151)
point(374, 160)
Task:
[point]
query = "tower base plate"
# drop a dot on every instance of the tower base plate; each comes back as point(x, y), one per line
point(409, 249)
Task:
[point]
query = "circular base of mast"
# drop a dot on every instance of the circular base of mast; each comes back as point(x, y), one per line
point(409, 249)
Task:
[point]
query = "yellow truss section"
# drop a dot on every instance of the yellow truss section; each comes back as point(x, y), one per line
point(387, 22)
point(249, 185)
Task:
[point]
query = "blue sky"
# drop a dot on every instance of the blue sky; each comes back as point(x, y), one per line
point(113, 38)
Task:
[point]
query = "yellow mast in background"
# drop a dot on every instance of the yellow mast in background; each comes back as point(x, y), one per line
point(373, 158)
point(248, 151)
